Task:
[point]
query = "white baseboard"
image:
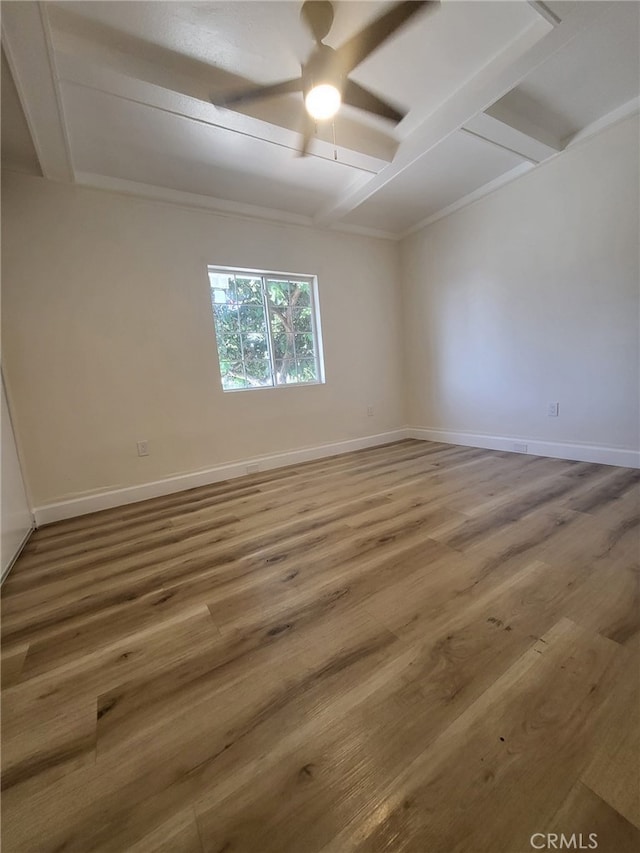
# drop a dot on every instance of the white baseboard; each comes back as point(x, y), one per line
point(12, 561)
point(96, 501)
point(535, 447)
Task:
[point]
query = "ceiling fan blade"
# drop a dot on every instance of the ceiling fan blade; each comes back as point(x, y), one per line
point(307, 132)
point(256, 92)
point(357, 48)
point(357, 96)
point(318, 16)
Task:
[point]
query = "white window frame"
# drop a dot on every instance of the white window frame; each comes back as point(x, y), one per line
point(316, 329)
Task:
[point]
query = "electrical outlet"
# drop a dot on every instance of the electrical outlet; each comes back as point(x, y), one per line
point(519, 448)
point(143, 448)
point(553, 409)
point(369, 411)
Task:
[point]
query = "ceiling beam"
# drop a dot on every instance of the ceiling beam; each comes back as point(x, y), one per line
point(27, 44)
point(507, 134)
point(535, 45)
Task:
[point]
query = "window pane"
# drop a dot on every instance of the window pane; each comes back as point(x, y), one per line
point(232, 375)
point(301, 319)
point(286, 371)
point(227, 332)
point(252, 319)
point(229, 347)
point(307, 370)
point(227, 317)
point(304, 345)
point(278, 292)
point(255, 346)
point(281, 339)
point(220, 280)
point(300, 293)
point(225, 369)
point(254, 331)
point(258, 372)
point(264, 329)
point(249, 290)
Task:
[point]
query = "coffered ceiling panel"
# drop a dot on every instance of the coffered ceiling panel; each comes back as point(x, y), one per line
point(127, 140)
point(593, 75)
point(455, 168)
point(118, 95)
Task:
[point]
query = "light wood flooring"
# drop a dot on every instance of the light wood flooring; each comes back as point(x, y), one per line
point(417, 648)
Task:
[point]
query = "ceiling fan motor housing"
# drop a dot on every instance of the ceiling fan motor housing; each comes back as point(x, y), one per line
point(322, 68)
point(325, 80)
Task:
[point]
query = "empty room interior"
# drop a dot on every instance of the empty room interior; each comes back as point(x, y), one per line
point(320, 426)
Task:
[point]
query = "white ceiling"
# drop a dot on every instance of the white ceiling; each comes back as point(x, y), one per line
point(117, 95)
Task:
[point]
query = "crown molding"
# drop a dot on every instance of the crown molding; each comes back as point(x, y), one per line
point(616, 116)
point(215, 206)
point(620, 113)
point(363, 231)
point(470, 198)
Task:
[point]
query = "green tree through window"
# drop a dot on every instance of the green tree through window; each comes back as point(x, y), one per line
point(266, 329)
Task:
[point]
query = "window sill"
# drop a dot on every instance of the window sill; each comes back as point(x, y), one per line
point(274, 387)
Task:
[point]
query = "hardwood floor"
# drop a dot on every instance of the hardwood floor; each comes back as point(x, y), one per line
point(416, 647)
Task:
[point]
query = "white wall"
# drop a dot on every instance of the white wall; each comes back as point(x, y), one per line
point(15, 516)
point(108, 338)
point(529, 296)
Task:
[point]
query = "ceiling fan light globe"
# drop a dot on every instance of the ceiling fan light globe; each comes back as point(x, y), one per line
point(323, 101)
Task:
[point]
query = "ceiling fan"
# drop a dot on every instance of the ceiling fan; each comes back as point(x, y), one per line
point(324, 81)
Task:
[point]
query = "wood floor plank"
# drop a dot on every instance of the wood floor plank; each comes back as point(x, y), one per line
point(179, 834)
point(585, 819)
point(245, 677)
point(149, 651)
point(609, 601)
point(58, 736)
point(520, 744)
point(326, 657)
point(176, 764)
point(431, 686)
point(614, 770)
point(13, 657)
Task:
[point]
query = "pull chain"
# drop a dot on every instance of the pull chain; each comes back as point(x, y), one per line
point(335, 150)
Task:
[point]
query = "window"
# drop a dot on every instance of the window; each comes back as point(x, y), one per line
point(267, 328)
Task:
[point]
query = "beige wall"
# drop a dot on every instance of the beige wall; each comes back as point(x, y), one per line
point(108, 338)
point(530, 296)
point(526, 297)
